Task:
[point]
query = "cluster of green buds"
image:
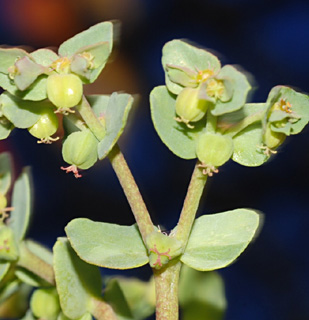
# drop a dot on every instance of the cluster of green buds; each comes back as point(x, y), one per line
point(41, 84)
point(202, 111)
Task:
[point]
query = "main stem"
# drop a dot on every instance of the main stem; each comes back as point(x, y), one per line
point(191, 203)
point(166, 283)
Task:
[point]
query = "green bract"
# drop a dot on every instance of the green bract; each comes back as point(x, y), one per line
point(64, 90)
point(46, 126)
point(8, 245)
point(80, 149)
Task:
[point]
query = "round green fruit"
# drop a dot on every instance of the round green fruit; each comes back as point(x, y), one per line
point(80, 149)
point(45, 303)
point(46, 126)
point(64, 90)
point(189, 107)
point(214, 149)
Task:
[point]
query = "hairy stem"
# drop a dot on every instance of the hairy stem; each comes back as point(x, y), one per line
point(90, 119)
point(132, 192)
point(166, 283)
point(191, 203)
point(36, 265)
point(101, 310)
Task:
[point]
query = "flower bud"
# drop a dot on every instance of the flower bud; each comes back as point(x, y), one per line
point(8, 245)
point(46, 126)
point(45, 303)
point(214, 149)
point(189, 107)
point(80, 149)
point(64, 90)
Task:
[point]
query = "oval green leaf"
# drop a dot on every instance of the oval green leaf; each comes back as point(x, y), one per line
point(217, 240)
point(107, 245)
point(22, 203)
point(5, 172)
point(77, 282)
point(176, 136)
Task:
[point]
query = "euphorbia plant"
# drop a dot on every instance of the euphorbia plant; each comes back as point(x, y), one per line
point(201, 113)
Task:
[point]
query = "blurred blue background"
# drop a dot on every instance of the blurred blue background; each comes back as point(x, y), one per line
point(269, 39)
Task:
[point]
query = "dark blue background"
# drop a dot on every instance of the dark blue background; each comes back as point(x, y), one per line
point(269, 39)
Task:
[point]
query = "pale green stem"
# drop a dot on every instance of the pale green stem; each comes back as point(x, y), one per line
point(76, 121)
point(101, 310)
point(166, 284)
point(191, 203)
point(36, 265)
point(90, 119)
point(132, 192)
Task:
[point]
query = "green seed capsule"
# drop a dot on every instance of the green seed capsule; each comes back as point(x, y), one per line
point(189, 107)
point(8, 246)
point(273, 139)
point(214, 149)
point(64, 90)
point(80, 149)
point(46, 126)
point(45, 303)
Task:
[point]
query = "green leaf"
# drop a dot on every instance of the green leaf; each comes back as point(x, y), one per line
point(299, 107)
point(114, 296)
point(6, 169)
point(201, 295)
point(247, 146)
point(113, 111)
point(5, 128)
point(176, 136)
point(217, 240)
point(44, 57)
point(22, 203)
point(30, 278)
point(182, 54)
point(107, 245)
point(9, 289)
point(76, 280)
point(241, 88)
point(98, 33)
point(39, 250)
point(140, 296)
point(22, 113)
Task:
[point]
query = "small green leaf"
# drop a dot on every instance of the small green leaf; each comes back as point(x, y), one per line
point(5, 128)
point(76, 280)
point(241, 88)
point(44, 57)
point(114, 296)
point(176, 136)
point(27, 72)
point(107, 245)
point(21, 202)
point(39, 250)
point(182, 54)
point(248, 144)
point(6, 169)
point(30, 278)
point(217, 240)
point(140, 296)
point(98, 33)
point(22, 113)
point(113, 111)
point(201, 295)
point(9, 289)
